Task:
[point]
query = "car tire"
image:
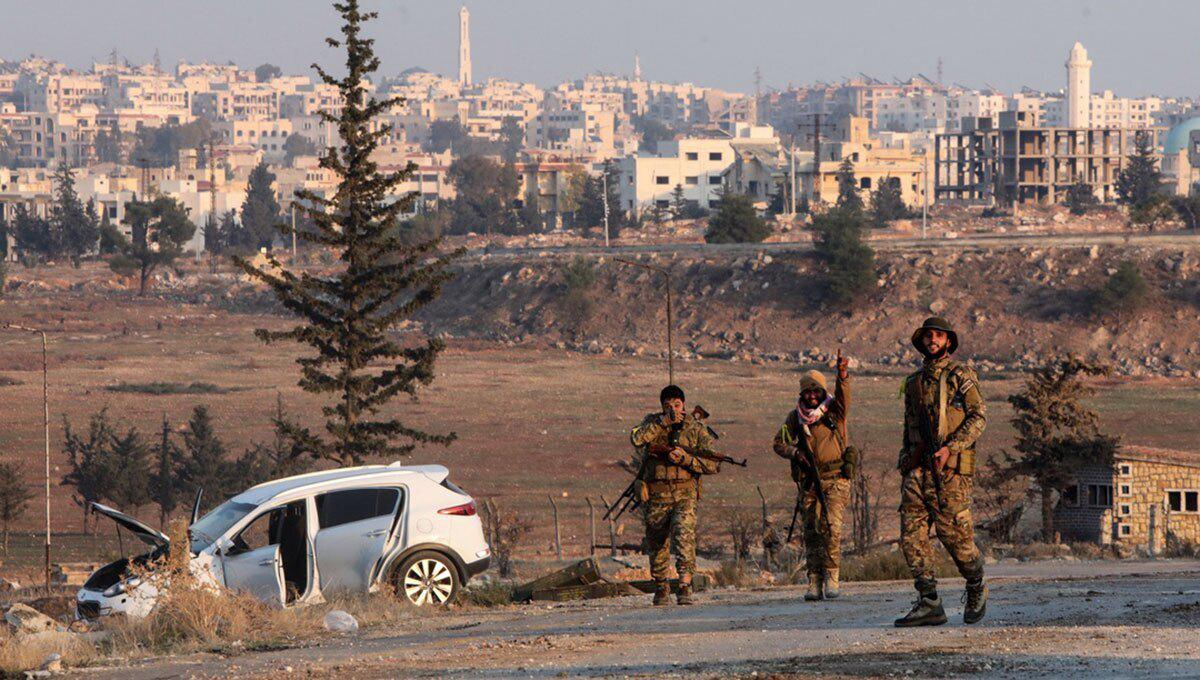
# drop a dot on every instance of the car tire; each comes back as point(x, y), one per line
point(427, 578)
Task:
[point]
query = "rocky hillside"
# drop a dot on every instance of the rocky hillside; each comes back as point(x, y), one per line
point(1011, 306)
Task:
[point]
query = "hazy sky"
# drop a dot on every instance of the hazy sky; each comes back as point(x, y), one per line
point(1137, 46)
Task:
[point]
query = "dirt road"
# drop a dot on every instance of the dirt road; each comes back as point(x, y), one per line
point(1051, 619)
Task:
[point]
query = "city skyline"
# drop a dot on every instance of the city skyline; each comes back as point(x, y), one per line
point(546, 42)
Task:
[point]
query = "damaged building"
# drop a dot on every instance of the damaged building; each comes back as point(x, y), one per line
point(1012, 158)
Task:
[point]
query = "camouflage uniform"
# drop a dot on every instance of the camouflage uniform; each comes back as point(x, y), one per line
point(827, 444)
point(965, 419)
point(672, 489)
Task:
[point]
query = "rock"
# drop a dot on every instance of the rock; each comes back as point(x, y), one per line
point(937, 306)
point(53, 663)
point(26, 620)
point(7, 586)
point(338, 621)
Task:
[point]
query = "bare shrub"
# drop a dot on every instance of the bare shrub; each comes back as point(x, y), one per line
point(1038, 550)
point(864, 510)
point(744, 532)
point(504, 531)
point(889, 565)
point(487, 595)
point(735, 574)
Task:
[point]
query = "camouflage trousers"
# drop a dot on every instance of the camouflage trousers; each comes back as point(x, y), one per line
point(951, 518)
point(670, 517)
point(823, 545)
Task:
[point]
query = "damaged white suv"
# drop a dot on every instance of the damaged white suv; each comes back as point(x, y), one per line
point(292, 540)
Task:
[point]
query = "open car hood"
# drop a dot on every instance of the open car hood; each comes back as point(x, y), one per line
point(144, 533)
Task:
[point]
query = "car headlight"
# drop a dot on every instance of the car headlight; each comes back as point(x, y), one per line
point(122, 587)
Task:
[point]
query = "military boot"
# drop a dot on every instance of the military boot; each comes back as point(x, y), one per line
point(815, 581)
point(926, 612)
point(684, 596)
point(662, 594)
point(831, 584)
point(975, 602)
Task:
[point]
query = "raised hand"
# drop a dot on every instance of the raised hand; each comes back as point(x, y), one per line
point(843, 364)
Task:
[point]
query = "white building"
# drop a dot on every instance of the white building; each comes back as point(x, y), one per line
point(696, 164)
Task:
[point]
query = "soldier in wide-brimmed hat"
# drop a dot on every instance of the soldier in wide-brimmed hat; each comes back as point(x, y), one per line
point(943, 417)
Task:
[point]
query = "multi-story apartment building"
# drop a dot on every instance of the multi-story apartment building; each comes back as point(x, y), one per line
point(1015, 159)
point(58, 92)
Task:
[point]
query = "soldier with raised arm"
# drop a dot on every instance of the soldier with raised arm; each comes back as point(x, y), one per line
point(944, 416)
point(813, 439)
point(671, 445)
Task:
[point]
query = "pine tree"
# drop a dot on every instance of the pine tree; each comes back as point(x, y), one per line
point(160, 229)
point(887, 203)
point(848, 262)
point(74, 231)
point(203, 464)
point(86, 460)
point(1140, 182)
point(736, 221)
point(848, 199)
point(346, 315)
point(108, 145)
point(279, 458)
point(261, 211)
point(33, 235)
point(1056, 433)
point(164, 482)
point(127, 471)
point(1080, 198)
point(15, 495)
point(678, 202)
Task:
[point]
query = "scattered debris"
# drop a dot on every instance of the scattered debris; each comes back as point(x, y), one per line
point(338, 621)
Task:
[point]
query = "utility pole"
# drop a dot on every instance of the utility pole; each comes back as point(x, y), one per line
point(46, 434)
point(604, 178)
point(815, 187)
point(791, 209)
point(925, 197)
point(293, 231)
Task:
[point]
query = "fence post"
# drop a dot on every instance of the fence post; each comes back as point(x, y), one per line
point(557, 533)
point(1152, 547)
point(612, 531)
point(591, 527)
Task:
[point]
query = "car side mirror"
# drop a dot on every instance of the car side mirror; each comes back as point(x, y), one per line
point(223, 545)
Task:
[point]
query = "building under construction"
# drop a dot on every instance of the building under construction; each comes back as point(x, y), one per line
point(993, 162)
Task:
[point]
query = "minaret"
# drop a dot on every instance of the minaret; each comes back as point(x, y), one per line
point(464, 47)
point(1079, 88)
point(637, 66)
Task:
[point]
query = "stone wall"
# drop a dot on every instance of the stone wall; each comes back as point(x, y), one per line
point(1137, 486)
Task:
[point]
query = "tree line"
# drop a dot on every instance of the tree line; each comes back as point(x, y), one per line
point(119, 465)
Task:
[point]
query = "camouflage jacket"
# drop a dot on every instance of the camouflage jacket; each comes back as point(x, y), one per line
point(828, 435)
point(693, 436)
point(966, 415)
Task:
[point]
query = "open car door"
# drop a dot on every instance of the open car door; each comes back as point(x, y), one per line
point(251, 559)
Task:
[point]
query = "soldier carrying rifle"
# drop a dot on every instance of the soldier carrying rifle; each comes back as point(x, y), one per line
point(813, 439)
point(674, 449)
point(944, 415)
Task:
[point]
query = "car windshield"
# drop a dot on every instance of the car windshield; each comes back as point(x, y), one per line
point(218, 520)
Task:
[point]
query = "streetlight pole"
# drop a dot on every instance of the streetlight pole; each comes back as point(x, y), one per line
point(670, 336)
point(605, 180)
point(46, 433)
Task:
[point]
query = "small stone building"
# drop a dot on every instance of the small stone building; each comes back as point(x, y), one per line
point(1148, 494)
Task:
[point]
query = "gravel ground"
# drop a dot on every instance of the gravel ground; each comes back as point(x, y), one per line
point(1047, 619)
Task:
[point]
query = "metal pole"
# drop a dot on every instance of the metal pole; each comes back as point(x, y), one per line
point(925, 201)
point(557, 533)
point(612, 532)
point(605, 180)
point(592, 526)
point(293, 232)
point(46, 432)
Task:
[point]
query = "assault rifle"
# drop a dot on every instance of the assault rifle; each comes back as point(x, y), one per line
point(628, 499)
point(810, 461)
point(931, 442)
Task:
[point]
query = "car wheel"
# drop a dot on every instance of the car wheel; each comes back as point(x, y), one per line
point(427, 578)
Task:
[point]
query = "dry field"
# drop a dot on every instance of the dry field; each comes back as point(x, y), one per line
point(531, 421)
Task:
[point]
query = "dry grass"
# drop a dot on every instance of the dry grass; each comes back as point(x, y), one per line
point(1038, 550)
point(17, 656)
point(739, 574)
point(889, 565)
